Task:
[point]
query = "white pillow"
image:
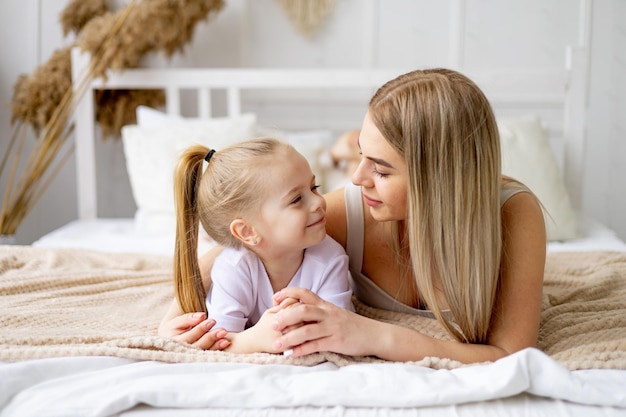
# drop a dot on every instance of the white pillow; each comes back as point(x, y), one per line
point(312, 144)
point(148, 117)
point(151, 155)
point(527, 157)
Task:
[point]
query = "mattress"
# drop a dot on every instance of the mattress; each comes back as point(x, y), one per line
point(141, 381)
point(529, 382)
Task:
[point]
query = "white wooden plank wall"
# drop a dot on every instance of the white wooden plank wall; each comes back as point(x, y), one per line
point(463, 34)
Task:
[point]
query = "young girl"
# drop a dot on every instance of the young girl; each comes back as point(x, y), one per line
point(258, 199)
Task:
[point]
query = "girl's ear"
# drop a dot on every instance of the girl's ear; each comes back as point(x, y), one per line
point(244, 232)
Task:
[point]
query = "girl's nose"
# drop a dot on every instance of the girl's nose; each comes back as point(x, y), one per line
point(318, 202)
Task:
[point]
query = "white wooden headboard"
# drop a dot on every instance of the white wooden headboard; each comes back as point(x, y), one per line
point(557, 96)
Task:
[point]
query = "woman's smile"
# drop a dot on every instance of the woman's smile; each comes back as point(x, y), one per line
point(371, 202)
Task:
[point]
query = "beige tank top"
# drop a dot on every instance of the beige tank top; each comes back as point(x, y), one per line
point(364, 288)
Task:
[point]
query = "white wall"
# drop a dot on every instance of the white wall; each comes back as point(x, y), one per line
point(605, 174)
point(465, 34)
point(29, 34)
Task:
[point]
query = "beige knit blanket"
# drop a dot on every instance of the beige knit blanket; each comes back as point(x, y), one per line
point(62, 302)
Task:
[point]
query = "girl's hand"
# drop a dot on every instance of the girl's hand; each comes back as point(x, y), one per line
point(314, 325)
point(259, 338)
point(195, 329)
point(285, 302)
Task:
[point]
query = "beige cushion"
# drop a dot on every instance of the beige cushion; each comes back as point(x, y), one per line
point(528, 157)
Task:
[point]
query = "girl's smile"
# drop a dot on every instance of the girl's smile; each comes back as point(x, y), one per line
point(320, 222)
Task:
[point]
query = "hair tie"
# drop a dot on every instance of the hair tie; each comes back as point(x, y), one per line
point(209, 155)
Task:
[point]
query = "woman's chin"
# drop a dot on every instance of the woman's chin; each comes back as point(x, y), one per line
point(381, 215)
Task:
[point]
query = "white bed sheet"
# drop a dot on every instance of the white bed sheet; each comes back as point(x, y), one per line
point(118, 235)
point(526, 383)
point(121, 235)
point(101, 386)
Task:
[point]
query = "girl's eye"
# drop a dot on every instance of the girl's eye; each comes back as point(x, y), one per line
point(315, 188)
point(296, 200)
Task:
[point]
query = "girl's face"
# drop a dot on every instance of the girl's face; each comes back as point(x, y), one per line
point(382, 175)
point(293, 216)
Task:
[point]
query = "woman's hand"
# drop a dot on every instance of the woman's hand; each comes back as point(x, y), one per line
point(314, 325)
point(195, 329)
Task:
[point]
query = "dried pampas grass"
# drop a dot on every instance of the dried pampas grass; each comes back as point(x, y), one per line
point(25, 187)
point(36, 96)
point(155, 25)
point(117, 108)
point(46, 99)
point(78, 12)
point(151, 26)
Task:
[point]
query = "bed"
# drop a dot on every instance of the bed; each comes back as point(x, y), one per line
point(80, 307)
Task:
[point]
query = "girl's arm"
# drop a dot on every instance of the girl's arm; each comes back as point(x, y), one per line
point(233, 301)
point(516, 318)
point(259, 338)
point(333, 283)
point(195, 328)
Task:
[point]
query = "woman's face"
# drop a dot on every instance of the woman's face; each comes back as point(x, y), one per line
point(382, 175)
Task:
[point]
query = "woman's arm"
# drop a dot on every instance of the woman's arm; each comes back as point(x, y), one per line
point(516, 318)
point(515, 324)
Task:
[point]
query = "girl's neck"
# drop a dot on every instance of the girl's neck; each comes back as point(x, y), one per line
point(281, 269)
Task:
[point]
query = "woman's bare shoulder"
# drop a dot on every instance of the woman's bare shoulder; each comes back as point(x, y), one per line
point(523, 220)
point(336, 215)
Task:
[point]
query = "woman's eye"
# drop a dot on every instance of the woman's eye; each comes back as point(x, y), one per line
point(379, 174)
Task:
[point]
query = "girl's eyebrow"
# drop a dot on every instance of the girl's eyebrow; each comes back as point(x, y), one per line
point(294, 190)
point(375, 160)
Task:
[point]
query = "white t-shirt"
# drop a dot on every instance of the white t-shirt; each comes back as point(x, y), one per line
point(241, 290)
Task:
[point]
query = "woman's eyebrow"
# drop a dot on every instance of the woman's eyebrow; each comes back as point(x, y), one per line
point(375, 160)
point(380, 161)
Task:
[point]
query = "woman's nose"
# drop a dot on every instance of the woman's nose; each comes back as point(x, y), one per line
point(359, 176)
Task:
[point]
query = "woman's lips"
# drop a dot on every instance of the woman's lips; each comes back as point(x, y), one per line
point(371, 202)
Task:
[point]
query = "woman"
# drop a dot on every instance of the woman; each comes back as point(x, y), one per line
point(442, 234)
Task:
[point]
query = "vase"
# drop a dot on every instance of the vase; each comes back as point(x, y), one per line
point(7, 240)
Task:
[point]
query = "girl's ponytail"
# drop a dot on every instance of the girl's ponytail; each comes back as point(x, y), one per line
point(190, 291)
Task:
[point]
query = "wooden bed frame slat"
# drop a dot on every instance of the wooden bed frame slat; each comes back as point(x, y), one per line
point(521, 90)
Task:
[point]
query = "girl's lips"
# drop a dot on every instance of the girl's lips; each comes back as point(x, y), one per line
point(321, 221)
point(371, 202)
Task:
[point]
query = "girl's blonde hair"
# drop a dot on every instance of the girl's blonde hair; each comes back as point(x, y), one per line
point(231, 187)
point(444, 127)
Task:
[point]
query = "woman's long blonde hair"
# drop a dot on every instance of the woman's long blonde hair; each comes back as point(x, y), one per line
point(231, 186)
point(444, 127)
